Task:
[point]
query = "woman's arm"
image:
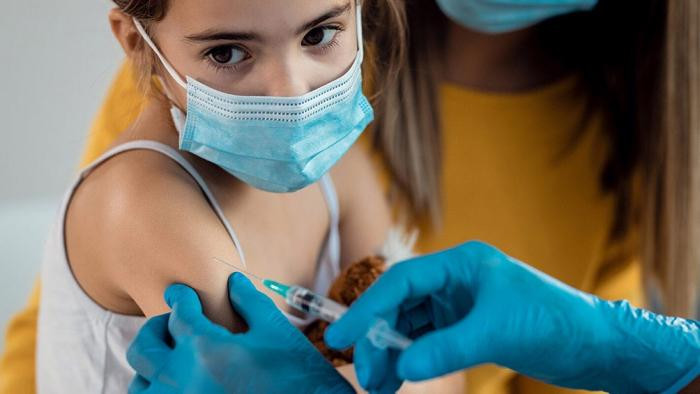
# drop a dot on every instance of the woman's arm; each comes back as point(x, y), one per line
point(17, 363)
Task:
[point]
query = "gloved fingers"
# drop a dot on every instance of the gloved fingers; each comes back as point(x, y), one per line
point(416, 321)
point(186, 316)
point(405, 281)
point(371, 364)
point(392, 382)
point(411, 303)
point(446, 350)
point(150, 349)
point(256, 308)
point(143, 386)
point(138, 385)
point(376, 368)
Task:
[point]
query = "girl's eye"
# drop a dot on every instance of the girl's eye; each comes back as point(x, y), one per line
point(320, 36)
point(227, 55)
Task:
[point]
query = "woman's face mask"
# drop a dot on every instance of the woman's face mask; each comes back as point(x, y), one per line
point(290, 127)
point(503, 16)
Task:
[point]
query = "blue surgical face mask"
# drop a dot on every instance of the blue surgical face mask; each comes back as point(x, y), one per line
point(277, 144)
point(503, 16)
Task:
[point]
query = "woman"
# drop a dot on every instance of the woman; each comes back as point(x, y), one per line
point(532, 178)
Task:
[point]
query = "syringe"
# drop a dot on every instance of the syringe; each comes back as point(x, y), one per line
point(380, 333)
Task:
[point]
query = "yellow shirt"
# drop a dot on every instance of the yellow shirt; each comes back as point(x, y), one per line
point(506, 181)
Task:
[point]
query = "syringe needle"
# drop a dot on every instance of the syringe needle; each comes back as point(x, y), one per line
point(237, 268)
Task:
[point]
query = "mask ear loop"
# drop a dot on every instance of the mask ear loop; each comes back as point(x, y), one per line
point(177, 113)
point(168, 94)
point(165, 63)
point(358, 27)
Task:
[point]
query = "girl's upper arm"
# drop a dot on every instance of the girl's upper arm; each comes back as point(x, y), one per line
point(364, 212)
point(154, 231)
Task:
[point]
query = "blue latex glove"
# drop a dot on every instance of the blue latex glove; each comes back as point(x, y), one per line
point(184, 352)
point(478, 305)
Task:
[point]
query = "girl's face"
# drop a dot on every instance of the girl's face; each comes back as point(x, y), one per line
point(257, 48)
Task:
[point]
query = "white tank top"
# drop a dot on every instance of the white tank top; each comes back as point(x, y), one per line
point(81, 347)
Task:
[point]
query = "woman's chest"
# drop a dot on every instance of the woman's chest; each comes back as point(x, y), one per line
point(513, 184)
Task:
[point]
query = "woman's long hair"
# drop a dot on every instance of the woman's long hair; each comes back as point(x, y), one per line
point(639, 66)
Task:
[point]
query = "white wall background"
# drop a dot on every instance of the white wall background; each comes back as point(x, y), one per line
point(56, 60)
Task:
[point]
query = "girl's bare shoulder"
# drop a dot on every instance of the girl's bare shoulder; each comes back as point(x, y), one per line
point(137, 223)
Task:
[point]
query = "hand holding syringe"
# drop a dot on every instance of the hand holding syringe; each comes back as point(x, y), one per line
point(380, 333)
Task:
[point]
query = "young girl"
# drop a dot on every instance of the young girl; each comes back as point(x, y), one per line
point(228, 168)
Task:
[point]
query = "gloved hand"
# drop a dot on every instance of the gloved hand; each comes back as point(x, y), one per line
point(184, 352)
point(480, 306)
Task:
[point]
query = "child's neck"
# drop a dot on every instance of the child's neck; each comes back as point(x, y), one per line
point(153, 123)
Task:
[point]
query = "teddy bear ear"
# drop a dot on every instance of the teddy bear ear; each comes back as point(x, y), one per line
point(398, 245)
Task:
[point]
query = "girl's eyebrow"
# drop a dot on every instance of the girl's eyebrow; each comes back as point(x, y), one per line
point(218, 35)
point(332, 13)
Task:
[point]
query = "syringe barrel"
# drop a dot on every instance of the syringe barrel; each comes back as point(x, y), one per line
point(380, 333)
point(321, 307)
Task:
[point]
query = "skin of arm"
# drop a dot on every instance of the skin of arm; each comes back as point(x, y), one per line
point(139, 224)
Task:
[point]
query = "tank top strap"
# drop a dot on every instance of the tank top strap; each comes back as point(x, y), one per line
point(331, 196)
point(180, 160)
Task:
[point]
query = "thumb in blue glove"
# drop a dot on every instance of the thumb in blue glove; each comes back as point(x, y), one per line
point(185, 352)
